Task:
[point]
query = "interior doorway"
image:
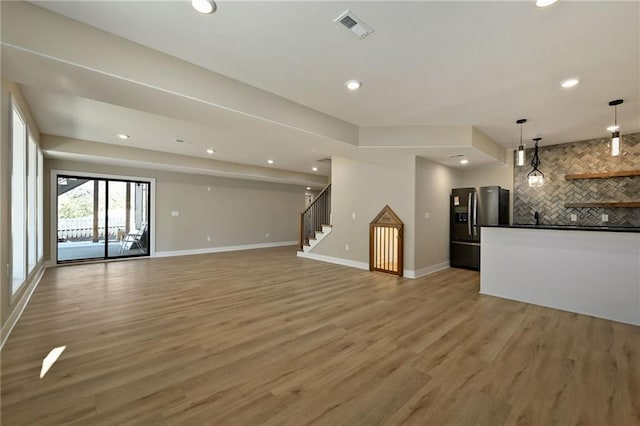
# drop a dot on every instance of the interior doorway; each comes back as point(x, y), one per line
point(308, 199)
point(386, 243)
point(101, 218)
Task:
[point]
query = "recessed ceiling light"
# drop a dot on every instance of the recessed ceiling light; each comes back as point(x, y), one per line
point(308, 188)
point(545, 3)
point(204, 6)
point(570, 82)
point(211, 151)
point(315, 169)
point(353, 84)
point(270, 161)
point(613, 128)
point(464, 161)
point(123, 136)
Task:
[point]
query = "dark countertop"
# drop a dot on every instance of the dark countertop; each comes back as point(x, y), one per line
point(568, 227)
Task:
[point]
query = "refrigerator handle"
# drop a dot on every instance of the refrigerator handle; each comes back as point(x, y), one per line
point(475, 213)
point(469, 207)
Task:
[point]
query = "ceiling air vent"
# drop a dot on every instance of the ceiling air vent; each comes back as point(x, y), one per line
point(456, 155)
point(354, 24)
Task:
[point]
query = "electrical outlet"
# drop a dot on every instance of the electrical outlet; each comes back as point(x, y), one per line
point(266, 235)
point(427, 215)
point(208, 188)
point(574, 218)
point(175, 213)
point(346, 247)
point(353, 215)
point(605, 218)
point(208, 238)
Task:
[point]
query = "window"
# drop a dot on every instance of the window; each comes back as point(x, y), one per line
point(32, 226)
point(18, 200)
point(40, 206)
point(27, 216)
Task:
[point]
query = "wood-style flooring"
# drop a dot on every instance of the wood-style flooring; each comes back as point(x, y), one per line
point(263, 337)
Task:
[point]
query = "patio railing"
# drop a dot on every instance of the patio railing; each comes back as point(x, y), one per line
point(78, 229)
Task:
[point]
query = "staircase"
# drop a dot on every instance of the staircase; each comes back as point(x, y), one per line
point(319, 236)
point(315, 221)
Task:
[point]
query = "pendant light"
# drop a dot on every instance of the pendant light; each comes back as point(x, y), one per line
point(615, 130)
point(520, 152)
point(535, 176)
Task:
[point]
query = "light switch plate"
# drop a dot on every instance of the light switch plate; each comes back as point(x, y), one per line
point(574, 218)
point(427, 215)
point(605, 218)
point(175, 213)
point(353, 215)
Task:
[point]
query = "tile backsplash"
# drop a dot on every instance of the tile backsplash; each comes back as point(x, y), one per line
point(590, 156)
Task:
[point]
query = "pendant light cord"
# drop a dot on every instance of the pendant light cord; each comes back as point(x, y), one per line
point(520, 134)
point(535, 161)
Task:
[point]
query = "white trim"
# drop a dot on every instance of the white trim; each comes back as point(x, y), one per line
point(425, 271)
point(19, 308)
point(53, 249)
point(336, 260)
point(407, 273)
point(224, 249)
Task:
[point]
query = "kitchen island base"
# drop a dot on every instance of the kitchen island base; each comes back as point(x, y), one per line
point(587, 272)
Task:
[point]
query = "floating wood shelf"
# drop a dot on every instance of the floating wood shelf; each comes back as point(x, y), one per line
point(604, 175)
point(612, 204)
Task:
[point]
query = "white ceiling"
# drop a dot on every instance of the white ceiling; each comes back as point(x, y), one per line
point(484, 64)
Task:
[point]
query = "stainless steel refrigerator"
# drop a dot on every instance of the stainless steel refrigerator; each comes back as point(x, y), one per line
point(471, 209)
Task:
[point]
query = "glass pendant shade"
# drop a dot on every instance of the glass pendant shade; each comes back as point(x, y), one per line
point(536, 180)
point(615, 144)
point(520, 156)
point(615, 134)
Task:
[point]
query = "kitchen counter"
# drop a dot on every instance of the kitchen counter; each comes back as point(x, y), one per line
point(592, 273)
point(570, 227)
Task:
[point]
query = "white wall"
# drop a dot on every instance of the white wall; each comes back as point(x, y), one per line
point(494, 175)
point(491, 175)
point(364, 188)
point(433, 188)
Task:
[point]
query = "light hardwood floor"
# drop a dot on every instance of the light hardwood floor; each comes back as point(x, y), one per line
point(264, 337)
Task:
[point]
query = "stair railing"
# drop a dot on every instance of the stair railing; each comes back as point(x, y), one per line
point(317, 214)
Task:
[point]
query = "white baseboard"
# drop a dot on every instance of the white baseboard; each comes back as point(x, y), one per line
point(223, 249)
point(335, 260)
point(425, 271)
point(363, 265)
point(15, 315)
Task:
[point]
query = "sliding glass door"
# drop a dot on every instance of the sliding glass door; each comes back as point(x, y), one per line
point(101, 218)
